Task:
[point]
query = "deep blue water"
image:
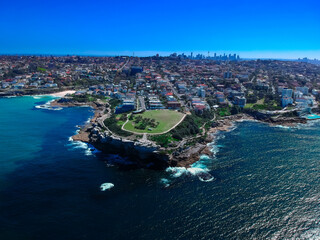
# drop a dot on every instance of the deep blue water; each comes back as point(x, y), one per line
point(267, 184)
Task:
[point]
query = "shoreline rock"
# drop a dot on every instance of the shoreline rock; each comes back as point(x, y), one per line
point(149, 155)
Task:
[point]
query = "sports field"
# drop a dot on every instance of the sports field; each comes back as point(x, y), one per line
point(164, 119)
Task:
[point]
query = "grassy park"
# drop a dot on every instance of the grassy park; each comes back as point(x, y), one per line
point(153, 121)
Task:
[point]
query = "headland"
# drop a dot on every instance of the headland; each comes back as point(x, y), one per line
point(158, 150)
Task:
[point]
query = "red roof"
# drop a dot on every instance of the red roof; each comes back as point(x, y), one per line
point(200, 107)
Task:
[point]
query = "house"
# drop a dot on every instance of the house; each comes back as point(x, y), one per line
point(154, 102)
point(240, 101)
point(173, 105)
point(127, 105)
point(199, 108)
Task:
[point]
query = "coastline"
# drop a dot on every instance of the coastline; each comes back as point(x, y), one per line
point(56, 92)
point(148, 155)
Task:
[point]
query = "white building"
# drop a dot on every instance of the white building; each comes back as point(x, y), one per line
point(315, 92)
point(305, 101)
point(304, 90)
point(297, 94)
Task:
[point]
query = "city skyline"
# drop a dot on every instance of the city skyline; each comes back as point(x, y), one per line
point(286, 30)
point(311, 55)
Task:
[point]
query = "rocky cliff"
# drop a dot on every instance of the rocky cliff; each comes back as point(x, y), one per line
point(144, 154)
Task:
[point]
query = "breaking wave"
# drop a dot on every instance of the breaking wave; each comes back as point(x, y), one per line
point(88, 121)
point(283, 127)
point(202, 174)
point(166, 182)
point(89, 149)
point(106, 186)
point(39, 96)
point(198, 169)
point(48, 106)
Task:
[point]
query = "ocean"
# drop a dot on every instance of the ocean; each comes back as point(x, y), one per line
point(266, 183)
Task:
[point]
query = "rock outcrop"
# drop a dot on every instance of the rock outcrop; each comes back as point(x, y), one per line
point(144, 154)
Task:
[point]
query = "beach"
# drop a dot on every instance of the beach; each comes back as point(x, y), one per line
point(62, 94)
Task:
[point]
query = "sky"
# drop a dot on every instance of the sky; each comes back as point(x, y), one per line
point(252, 28)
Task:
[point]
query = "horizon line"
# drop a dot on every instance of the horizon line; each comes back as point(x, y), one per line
point(161, 55)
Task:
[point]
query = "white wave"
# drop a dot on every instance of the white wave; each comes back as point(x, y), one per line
point(39, 96)
point(211, 178)
point(201, 164)
point(176, 171)
point(200, 171)
point(165, 182)
point(89, 149)
point(88, 152)
point(48, 106)
point(194, 170)
point(106, 186)
point(79, 144)
point(232, 128)
point(214, 147)
point(281, 126)
point(88, 121)
point(246, 120)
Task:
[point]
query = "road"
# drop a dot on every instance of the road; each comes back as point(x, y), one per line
point(142, 103)
point(177, 94)
point(120, 69)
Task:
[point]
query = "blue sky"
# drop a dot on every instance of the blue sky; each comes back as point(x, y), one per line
point(278, 29)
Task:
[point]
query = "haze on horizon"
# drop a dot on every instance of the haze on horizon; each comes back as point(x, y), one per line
point(252, 29)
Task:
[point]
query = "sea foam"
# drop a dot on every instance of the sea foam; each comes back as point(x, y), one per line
point(89, 149)
point(281, 126)
point(48, 106)
point(165, 182)
point(199, 170)
point(106, 186)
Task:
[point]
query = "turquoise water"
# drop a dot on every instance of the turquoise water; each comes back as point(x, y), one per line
point(24, 128)
point(266, 185)
point(313, 116)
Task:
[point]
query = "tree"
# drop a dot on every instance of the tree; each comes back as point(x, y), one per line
point(235, 110)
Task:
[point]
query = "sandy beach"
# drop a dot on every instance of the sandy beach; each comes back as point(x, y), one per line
point(62, 94)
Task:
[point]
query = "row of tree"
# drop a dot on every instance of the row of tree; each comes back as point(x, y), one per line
point(188, 127)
